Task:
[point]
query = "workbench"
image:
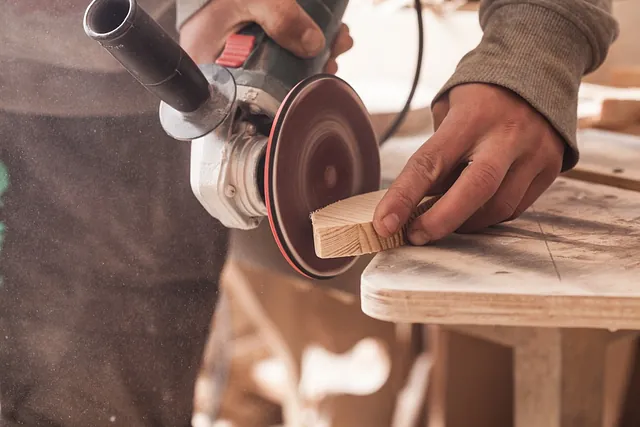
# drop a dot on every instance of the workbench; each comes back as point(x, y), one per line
point(559, 285)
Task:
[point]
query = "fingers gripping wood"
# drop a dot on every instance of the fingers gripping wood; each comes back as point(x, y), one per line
point(345, 228)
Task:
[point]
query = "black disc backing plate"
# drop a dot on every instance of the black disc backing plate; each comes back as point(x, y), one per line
point(322, 148)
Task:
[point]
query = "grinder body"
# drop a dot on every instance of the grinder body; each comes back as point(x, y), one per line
point(226, 108)
point(264, 74)
point(272, 69)
point(271, 136)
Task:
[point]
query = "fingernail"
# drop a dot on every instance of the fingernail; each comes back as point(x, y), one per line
point(313, 41)
point(418, 238)
point(391, 223)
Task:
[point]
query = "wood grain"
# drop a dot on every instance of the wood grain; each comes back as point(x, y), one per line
point(572, 260)
point(345, 228)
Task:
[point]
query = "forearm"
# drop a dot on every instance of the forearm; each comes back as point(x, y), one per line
point(541, 49)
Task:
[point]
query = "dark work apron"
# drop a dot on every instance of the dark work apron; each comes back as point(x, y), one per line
point(109, 272)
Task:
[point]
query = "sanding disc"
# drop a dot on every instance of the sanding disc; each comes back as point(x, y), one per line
point(322, 148)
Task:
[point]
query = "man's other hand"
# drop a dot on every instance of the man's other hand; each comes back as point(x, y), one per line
point(203, 35)
point(513, 155)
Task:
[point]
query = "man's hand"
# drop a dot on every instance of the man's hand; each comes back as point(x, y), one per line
point(513, 156)
point(203, 36)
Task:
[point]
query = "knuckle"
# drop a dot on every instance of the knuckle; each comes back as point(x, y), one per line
point(401, 197)
point(511, 125)
point(425, 167)
point(551, 164)
point(476, 114)
point(548, 154)
point(485, 176)
point(475, 111)
point(280, 22)
point(348, 42)
point(283, 16)
point(555, 150)
point(519, 122)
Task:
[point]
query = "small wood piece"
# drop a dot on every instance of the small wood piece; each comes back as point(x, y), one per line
point(345, 228)
point(610, 108)
point(618, 114)
point(608, 158)
point(628, 76)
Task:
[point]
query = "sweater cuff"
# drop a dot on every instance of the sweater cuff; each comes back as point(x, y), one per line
point(185, 9)
point(536, 53)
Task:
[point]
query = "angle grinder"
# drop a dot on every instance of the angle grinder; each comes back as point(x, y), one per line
point(271, 135)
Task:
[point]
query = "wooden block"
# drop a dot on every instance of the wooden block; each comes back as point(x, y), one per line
point(617, 114)
point(345, 228)
point(633, 129)
point(572, 260)
point(625, 76)
point(609, 107)
point(608, 158)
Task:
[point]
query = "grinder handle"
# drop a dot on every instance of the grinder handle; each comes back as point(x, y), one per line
point(267, 58)
point(144, 49)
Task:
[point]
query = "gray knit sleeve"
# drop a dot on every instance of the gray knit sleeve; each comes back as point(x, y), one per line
point(541, 49)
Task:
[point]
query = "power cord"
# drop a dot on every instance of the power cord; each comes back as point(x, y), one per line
point(403, 113)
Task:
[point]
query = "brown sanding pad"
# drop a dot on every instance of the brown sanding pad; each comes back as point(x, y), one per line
point(322, 148)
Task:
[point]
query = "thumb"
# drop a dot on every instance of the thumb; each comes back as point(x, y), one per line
point(289, 26)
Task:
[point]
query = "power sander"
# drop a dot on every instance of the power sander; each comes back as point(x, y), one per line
point(271, 134)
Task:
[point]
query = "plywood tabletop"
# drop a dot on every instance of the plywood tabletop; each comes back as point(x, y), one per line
point(572, 260)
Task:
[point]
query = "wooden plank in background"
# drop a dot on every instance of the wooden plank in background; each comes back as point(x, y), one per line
point(608, 158)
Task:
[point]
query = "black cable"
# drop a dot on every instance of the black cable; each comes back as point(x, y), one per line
point(402, 114)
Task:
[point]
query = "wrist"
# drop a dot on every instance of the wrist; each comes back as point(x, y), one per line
point(539, 55)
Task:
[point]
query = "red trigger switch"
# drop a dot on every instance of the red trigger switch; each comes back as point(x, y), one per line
point(236, 50)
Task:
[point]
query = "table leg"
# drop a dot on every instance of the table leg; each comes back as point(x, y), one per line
point(560, 377)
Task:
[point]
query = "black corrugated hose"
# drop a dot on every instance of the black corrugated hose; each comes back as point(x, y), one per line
point(403, 113)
